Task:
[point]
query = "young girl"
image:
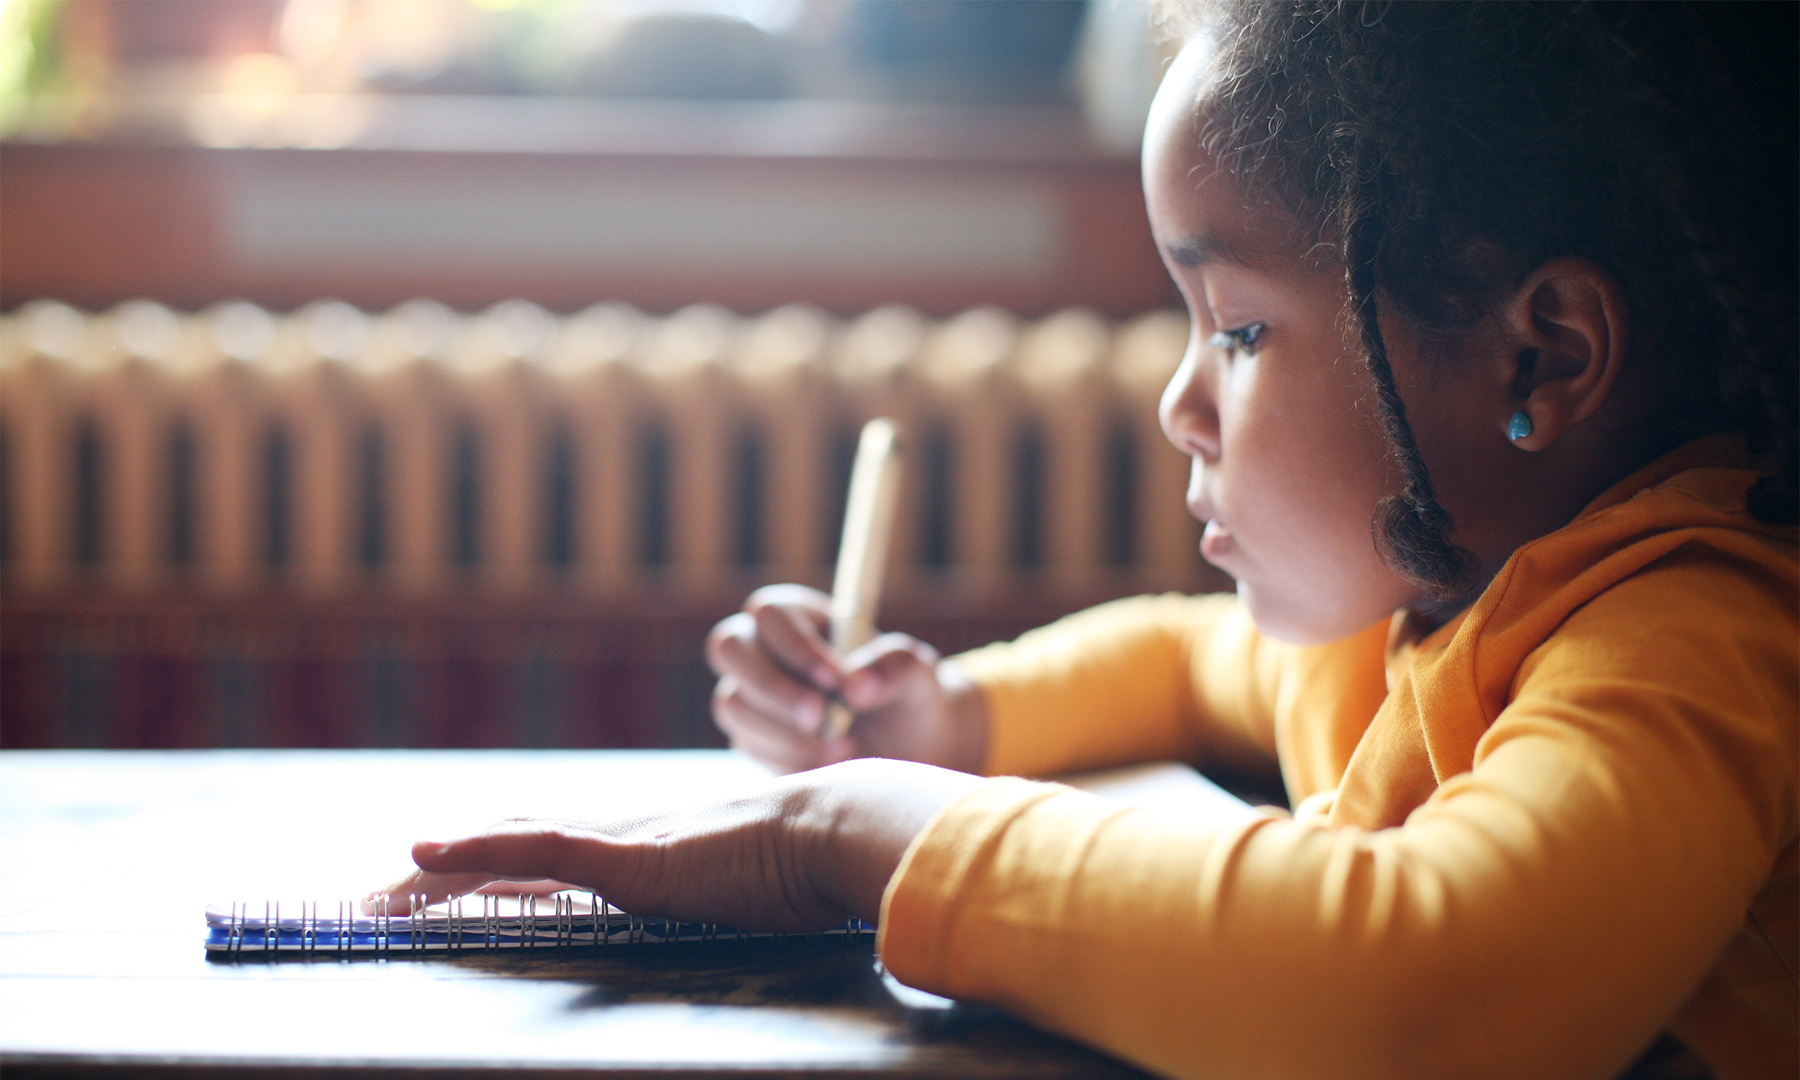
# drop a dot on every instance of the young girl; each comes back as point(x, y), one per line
point(1481, 418)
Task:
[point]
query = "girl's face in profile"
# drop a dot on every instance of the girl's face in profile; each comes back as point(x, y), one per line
point(1270, 402)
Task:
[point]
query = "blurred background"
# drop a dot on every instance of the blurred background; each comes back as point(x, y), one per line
point(436, 372)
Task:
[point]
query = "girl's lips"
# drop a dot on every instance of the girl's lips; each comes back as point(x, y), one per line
point(1216, 542)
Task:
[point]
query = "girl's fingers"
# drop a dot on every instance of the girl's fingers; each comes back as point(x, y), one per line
point(770, 689)
point(544, 887)
point(770, 740)
point(803, 600)
point(774, 666)
point(513, 857)
point(438, 887)
point(776, 755)
point(731, 861)
point(433, 887)
point(794, 640)
point(884, 669)
point(522, 851)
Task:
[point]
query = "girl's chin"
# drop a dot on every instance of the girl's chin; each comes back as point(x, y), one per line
point(1271, 619)
point(1290, 619)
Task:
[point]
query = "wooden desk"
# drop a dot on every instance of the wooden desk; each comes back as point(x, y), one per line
point(108, 859)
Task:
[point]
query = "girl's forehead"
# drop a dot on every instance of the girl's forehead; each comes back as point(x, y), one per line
point(1192, 198)
point(1200, 213)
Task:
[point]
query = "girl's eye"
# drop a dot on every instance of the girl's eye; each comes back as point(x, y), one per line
point(1244, 339)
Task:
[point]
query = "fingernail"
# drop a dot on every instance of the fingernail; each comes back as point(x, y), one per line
point(430, 847)
point(824, 677)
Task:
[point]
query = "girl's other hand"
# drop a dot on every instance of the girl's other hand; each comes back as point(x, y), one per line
point(778, 674)
point(806, 854)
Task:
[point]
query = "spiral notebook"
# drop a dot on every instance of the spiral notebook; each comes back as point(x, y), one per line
point(472, 923)
point(469, 923)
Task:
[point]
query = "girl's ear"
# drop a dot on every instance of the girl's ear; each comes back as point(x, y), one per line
point(1568, 330)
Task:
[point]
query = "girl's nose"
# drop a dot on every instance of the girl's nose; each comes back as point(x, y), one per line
point(1189, 408)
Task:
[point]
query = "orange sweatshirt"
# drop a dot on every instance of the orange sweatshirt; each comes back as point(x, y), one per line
point(1568, 824)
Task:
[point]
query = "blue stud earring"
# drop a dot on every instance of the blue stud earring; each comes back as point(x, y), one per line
point(1519, 426)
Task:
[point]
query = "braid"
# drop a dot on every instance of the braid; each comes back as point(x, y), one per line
point(1374, 150)
point(1412, 530)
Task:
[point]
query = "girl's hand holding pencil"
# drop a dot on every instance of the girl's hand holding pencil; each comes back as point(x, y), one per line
point(778, 676)
point(805, 681)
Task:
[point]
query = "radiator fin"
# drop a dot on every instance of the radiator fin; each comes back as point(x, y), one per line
point(422, 450)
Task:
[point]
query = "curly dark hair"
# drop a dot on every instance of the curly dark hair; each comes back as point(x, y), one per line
point(1444, 150)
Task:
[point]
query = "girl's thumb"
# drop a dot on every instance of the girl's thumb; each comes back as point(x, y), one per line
point(886, 666)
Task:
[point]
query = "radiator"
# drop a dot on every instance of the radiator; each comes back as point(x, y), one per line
point(331, 451)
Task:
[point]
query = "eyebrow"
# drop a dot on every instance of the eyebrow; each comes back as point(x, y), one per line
point(1207, 247)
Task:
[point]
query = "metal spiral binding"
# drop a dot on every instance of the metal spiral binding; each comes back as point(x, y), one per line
point(527, 932)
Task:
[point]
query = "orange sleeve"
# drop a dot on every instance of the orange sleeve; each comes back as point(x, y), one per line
point(1148, 678)
point(1543, 914)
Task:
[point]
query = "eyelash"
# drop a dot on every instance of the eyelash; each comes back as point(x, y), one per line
point(1244, 339)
